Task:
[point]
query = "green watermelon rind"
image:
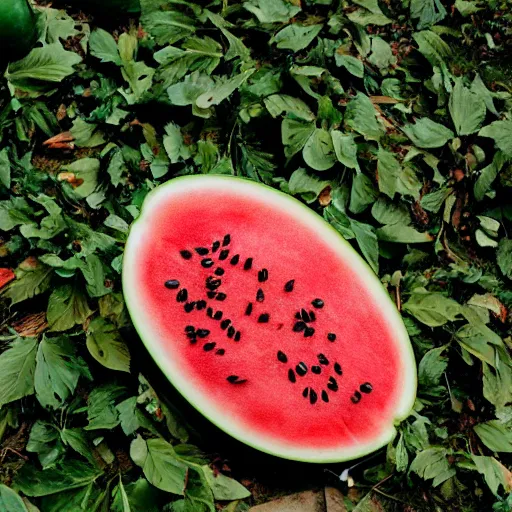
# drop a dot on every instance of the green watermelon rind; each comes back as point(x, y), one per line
point(202, 404)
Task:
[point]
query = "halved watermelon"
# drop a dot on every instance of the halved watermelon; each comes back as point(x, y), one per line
point(266, 319)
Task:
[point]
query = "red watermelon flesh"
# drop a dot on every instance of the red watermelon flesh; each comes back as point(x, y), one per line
point(266, 320)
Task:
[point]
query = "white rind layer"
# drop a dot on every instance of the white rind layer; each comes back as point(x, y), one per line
point(180, 187)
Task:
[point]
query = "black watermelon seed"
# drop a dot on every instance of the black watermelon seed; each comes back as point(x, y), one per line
point(172, 284)
point(331, 336)
point(337, 369)
point(297, 315)
point(291, 376)
point(332, 384)
point(202, 333)
point(193, 340)
point(313, 397)
point(223, 254)
point(221, 296)
point(288, 287)
point(226, 240)
point(218, 315)
point(234, 379)
point(248, 309)
point(281, 356)
point(215, 246)
point(248, 264)
point(316, 369)
point(219, 271)
point(260, 296)
point(305, 393)
point(366, 387)
point(202, 251)
point(212, 283)
point(211, 295)
point(209, 346)
point(190, 328)
point(209, 312)
point(301, 369)
point(309, 332)
point(356, 398)
point(231, 331)
point(237, 336)
point(304, 315)
point(191, 335)
point(207, 263)
point(263, 318)
point(312, 316)
point(235, 259)
point(200, 305)
point(262, 275)
point(220, 352)
point(182, 295)
point(317, 303)
point(299, 326)
point(325, 396)
point(322, 359)
point(225, 323)
point(186, 255)
point(189, 306)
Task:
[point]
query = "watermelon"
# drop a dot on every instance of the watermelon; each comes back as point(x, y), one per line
point(266, 320)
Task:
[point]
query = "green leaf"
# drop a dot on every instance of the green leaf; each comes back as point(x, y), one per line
point(401, 234)
point(72, 474)
point(467, 7)
point(501, 132)
point(488, 174)
point(479, 88)
point(432, 464)
point(318, 151)
point(50, 63)
point(86, 135)
point(85, 171)
point(272, 11)
point(17, 366)
point(363, 193)
point(67, 306)
point(429, 12)
point(276, 104)
point(32, 278)
point(432, 308)
point(132, 418)
point(361, 117)
point(296, 37)
point(432, 366)
point(466, 108)
point(141, 495)
point(44, 440)
point(345, 148)
point(504, 257)
point(93, 272)
point(103, 46)
point(294, 135)
point(495, 435)
point(370, 15)
point(353, 65)
point(386, 212)
point(10, 501)
point(77, 440)
point(167, 27)
point(106, 346)
point(57, 371)
point(367, 241)
point(5, 168)
point(309, 186)
point(159, 463)
point(101, 407)
point(223, 487)
point(174, 144)
point(382, 55)
point(236, 47)
point(495, 473)
point(223, 90)
point(426, 133)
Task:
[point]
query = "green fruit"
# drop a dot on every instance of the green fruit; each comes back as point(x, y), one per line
point(17, 29)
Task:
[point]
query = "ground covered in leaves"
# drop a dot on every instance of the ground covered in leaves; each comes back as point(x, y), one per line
point(392, 119)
